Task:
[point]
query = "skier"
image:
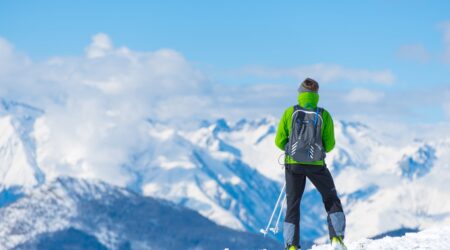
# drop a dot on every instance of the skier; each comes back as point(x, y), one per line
point(306, 134)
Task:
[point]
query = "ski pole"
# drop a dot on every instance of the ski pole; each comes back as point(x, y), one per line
point(275, 229)
point(264, 231)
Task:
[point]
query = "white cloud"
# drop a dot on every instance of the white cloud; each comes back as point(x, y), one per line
point(97, 105)
point(11, 60)
point(360, 95)
point(325, 73)
point(100, 46)
point(414, 52)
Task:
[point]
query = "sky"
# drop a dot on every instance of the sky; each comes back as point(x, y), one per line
point(374, 60)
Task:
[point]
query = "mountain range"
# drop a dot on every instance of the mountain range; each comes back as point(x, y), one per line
point(230, 173)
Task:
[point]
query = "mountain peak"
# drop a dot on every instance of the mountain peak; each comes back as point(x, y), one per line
point(221, 125)
point(353, 124)
point(18, 108)
point(419, 163)
point(96, 189)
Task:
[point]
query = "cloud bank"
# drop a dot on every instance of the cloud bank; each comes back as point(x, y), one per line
point(324, 73)
point(360, 95)
point(97, 104)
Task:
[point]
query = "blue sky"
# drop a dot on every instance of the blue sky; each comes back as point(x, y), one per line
point(403, 39)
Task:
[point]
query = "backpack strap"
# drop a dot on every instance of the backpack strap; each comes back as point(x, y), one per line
point(319, 111)
point(316, 116)
point(299, 121)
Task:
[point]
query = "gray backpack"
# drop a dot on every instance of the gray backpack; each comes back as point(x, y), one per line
point(305, 138)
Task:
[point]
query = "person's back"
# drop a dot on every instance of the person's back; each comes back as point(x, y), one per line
point(307, 99)
point(306, 134)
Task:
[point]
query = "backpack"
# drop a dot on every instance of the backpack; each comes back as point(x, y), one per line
point(305, 138)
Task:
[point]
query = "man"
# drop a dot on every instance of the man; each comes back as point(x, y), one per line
point(306, 134)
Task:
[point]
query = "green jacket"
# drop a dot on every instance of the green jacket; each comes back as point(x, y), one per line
point(306, 100)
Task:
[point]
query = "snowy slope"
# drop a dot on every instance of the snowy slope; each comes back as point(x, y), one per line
point(18, 165)
point(66, 210)
point(255, 143)
point(435, 239)
point(394, 187)
point(202, 172)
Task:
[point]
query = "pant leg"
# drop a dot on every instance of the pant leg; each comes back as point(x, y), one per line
point(295, 185)
point(323, 181)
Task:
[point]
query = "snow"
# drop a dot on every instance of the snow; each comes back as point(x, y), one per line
point(431, 239)
point(18, 167)
point(38, 219)
point(16, 170)
point(201, 171)
point(255, 141)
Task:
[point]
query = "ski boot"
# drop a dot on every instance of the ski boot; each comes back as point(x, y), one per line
point(292, 248)
point(337, 243)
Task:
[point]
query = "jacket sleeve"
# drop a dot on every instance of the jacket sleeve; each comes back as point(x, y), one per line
point(282, 136)
point(328, 139)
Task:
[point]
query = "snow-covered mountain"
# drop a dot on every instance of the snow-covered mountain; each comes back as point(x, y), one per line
point(70, 213)
point(385, 185)
point(18, 147)
point(200, 171)
point(391, 187)
point(18, 166)
point(216, 183)
point(230, 173)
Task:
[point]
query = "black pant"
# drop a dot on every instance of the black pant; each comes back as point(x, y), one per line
point(321, 178)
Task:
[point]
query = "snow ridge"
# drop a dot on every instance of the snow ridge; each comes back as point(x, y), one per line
point(70, 210)
point(18, 161)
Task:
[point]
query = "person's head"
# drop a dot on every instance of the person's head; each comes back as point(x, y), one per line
point(308, 94)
